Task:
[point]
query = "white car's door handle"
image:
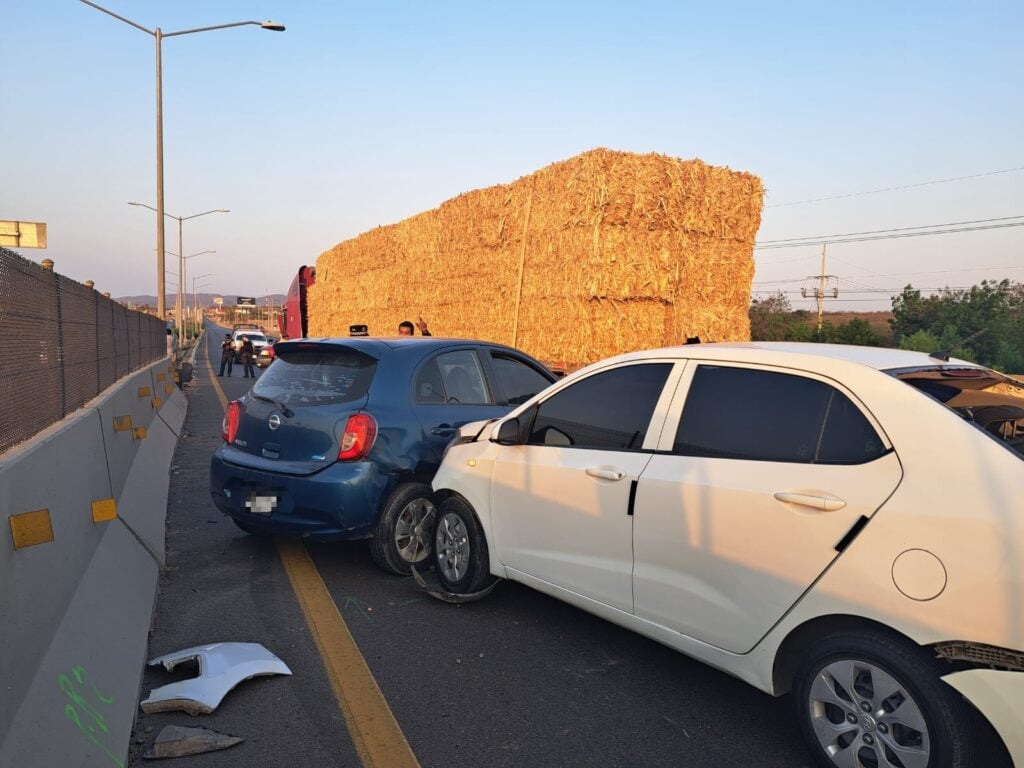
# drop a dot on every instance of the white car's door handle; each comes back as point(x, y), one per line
point(605, 474)
point(822, 503)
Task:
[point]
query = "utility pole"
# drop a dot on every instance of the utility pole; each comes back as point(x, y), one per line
point(819, 292)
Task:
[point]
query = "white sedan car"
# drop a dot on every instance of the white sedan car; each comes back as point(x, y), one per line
point(842, 523)
point(258, 339)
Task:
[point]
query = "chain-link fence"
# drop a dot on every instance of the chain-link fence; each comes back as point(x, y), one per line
point(61, 344)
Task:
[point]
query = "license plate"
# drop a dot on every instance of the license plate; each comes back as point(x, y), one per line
point(261, 505)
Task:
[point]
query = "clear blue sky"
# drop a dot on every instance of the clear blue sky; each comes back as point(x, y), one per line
point(362, 114)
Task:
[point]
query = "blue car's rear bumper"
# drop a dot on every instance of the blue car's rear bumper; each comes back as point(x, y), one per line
point(341, 501)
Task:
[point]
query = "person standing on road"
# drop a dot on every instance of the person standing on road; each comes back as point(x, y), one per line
point(172, 344)
point(248, 353)
point(227, 354)
point(405, 328)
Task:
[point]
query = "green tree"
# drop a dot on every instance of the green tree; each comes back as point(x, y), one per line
point(911, 312)
point(856, 331)
point(921, 341)
point(773, 319)
point(984, 323)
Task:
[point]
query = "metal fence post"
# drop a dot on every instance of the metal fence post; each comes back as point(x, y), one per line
point(60, 347)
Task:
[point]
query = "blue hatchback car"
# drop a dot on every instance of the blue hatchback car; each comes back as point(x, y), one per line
point(340, 438)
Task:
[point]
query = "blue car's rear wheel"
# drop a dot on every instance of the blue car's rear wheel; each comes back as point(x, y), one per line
point(403, 533)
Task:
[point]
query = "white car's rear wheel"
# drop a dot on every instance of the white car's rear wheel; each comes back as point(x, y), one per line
point(870, 700)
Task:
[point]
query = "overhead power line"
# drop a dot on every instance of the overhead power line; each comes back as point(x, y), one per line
point(818, 239)
point(895, 189)
point(838, 239)
point(901, 274)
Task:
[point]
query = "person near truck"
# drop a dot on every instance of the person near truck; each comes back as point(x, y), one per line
point(248, 355)
point(406, 328)
point(227, 354)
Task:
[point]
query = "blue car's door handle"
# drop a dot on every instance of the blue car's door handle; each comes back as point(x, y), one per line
point(443, 430)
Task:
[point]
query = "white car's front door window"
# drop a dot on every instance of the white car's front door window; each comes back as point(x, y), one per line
point(560, 504)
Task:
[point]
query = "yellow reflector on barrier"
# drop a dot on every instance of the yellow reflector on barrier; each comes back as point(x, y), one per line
point(123, 424)
point(104, 510)
point(168, 388)
point(140, 433)
point(157, 402)
point(161, 377)
point(31, 528)
point(145, 391)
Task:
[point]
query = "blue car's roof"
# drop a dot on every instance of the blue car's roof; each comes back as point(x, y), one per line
point(377, 346)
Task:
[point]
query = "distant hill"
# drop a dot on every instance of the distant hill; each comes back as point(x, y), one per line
point(205, 299)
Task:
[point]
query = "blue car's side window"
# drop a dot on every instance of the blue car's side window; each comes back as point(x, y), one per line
point(455, 378)
point(429, 388)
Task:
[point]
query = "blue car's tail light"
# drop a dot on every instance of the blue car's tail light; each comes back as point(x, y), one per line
point(229, 426)
point(356, 442)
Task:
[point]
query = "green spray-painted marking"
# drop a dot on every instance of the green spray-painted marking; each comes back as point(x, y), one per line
point(73, 688)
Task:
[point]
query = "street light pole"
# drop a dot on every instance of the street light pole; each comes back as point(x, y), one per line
point(182, 284)
point(161, 298)
point(185, 259)
point(158, 35)
point(195, 300)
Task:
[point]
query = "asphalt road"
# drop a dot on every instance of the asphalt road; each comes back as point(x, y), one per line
point(518, 679)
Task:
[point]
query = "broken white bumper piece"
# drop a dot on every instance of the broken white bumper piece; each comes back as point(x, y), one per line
point(222, 666)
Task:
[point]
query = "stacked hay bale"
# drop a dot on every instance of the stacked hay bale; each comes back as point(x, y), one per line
point(603, 253)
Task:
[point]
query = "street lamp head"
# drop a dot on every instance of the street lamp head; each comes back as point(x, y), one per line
point(273, 26)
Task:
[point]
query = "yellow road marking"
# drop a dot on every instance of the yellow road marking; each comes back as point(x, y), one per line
point(216, 384)
point(376, 735)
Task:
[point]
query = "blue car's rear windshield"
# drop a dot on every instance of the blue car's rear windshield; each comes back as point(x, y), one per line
point(316, 377)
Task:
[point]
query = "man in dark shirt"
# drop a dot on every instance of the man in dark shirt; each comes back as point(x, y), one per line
point(405, 328)
point(227, 354)
point(248, 355)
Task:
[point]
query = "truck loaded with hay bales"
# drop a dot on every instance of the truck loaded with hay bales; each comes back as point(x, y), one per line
point(602, 253)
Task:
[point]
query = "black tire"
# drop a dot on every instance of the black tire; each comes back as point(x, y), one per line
point(461, 558)
point(951, 725)
point(402, 507)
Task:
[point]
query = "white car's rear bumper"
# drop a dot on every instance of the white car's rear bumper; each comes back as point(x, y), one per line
point(999, 696)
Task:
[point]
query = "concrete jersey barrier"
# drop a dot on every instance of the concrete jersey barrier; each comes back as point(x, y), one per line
point(84, 505)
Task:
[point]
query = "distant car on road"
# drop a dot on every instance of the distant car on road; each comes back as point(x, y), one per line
point(339, 438)
point(845, 524)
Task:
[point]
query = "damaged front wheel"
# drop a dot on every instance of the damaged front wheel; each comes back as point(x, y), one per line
point(460, 550)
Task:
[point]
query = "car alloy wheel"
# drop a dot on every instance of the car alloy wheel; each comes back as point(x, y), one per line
point(870, 698)
point(452, 542)
point(412, 530)
point(460, 549)
point(862, 716)
point(404, 530)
